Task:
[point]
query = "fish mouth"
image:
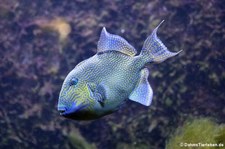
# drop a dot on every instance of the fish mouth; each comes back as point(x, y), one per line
point(61, 112)
point(74, 109)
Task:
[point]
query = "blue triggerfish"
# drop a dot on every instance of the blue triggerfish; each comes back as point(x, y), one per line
point(102, 83)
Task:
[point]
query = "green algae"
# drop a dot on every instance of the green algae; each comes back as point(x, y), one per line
point(78, 141)
point(204, 131)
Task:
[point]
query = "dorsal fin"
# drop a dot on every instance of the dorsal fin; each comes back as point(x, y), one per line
point(110, 42)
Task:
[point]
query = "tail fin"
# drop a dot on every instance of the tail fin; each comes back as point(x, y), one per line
point(154, 50)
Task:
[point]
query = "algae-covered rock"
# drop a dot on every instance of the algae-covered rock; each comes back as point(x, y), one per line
point(131, 146)
point(78, 141)
point(198, 133)
point(59, 25)
point(220, 137)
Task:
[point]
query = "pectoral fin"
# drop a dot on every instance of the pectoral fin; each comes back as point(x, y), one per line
point(143, 92)
point(97, 92)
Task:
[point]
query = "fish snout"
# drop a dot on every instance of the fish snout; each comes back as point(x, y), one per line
point(64, 111)
point(61, 110)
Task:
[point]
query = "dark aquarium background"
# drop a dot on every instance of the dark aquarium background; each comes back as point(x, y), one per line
point(41, 41)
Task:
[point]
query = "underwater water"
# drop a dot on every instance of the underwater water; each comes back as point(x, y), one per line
point(42, 41)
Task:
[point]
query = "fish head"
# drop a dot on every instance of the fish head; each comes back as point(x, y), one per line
point(74, 98)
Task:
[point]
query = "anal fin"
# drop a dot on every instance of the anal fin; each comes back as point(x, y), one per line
point(143, 92)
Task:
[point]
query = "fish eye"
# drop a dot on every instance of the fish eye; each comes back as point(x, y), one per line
point(73, 81)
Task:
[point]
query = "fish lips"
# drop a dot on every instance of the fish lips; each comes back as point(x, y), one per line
point(73, 110)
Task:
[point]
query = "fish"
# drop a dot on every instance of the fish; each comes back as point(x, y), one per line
point(103, 83)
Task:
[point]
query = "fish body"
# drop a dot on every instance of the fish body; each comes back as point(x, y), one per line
point(101, 84)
